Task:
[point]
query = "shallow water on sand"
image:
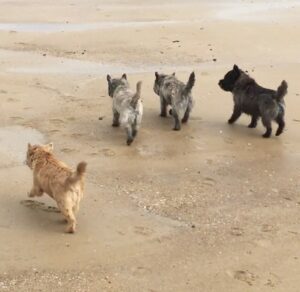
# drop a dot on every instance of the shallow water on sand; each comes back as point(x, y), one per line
point(77, 27)
point(14, 140)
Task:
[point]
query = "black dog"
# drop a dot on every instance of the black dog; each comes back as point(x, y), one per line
point(254, 100)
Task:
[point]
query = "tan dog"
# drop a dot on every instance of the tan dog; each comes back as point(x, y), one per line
point(56, 179)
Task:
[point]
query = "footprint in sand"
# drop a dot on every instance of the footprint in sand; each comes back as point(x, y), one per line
point(141, 271)
point(236, 231)
point(67, 150)
point(268, 228)
point(208, 181)
point(76, 135)
point(107, 152)
point(53, 131)
point(16, 118)
point(273, 280)
point(57, 122)
point(12, 100)
point(245, 276)
point(3, 92)
point(142, 230)
point(39, 206)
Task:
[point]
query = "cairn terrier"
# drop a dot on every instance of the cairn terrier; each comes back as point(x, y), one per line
point(256, 101)
point(127, 105)
point(56, 179)
point(176, 94)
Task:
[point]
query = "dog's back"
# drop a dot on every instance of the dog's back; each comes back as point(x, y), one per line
point(55, 177)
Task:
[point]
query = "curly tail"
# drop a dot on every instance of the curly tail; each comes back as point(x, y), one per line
point(190, 83)
point(137, 95)
point(78, 174)
point(281, 91)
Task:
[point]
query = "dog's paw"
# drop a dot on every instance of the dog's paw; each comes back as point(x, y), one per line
point(129, 141)
point(70, 229)
point(278, 132)
point(30, 195)
point(176, 129)
point(163, 115)
point(251, 126)
point(266, 135)
point(230, 121)
point(115, 125)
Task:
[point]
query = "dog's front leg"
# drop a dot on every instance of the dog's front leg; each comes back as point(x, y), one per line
point(235, 115)
point(35, 192)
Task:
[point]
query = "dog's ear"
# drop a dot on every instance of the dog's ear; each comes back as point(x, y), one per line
point(49, 147)
point(173, 74)
point(108, 78)
point(156, 75)
point(236, 68)
point(124, 76)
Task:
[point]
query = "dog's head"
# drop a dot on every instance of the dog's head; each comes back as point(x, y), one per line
point(159, 78)
point(113, 83)
point(36, 151)
point(229, 80)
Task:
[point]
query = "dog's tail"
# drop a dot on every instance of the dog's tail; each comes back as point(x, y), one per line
point(78, 174)
point(190, 83)
point(137, 95)
point(281, 91)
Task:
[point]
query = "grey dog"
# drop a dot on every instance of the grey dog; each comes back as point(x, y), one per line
point(255, 100)
point(177, 94)
point(127, 105)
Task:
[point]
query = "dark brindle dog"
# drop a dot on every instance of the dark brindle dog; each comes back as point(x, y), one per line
point(256, 101)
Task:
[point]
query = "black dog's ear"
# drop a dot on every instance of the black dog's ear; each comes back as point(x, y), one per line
point(124, 76)
point(108, 77)
point(236, 68)
point(156, 75)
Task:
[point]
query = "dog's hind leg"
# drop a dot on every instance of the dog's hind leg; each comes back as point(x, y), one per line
point(66, 209)
point(235, 115)
point(134, 128)
point(116, 116)
point(129, 132)
point(253, 123)
point(267, 123)
point(163, 107)
point(186, 114)
point(177, 125)
point(281, 124)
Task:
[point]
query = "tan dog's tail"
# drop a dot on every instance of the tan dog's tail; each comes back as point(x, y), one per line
point(77, 175)
point(137, 95)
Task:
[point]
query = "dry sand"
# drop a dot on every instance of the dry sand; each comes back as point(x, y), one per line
point(210, 208)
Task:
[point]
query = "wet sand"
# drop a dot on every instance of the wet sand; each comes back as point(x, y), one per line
point(210, 208)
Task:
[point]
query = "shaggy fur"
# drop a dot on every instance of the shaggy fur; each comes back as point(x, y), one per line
point(127, 105)
point(256, 101)
point(176, 94)
point(56, 179)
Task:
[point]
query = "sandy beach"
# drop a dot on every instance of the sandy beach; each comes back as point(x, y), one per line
point(212, 207)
